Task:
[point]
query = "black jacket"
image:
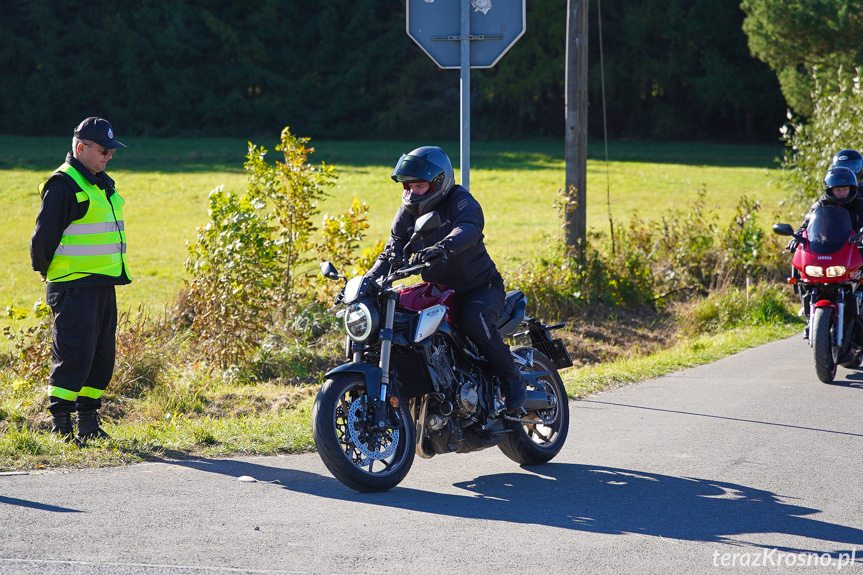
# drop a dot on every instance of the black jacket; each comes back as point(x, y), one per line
point(854, 209)
point(60, 207)
point(468, 264)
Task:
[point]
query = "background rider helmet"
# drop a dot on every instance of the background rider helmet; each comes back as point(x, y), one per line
point(851, 159)
point(840, 185)
point(425, 164)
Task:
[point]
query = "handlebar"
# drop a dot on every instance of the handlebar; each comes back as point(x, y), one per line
point(405, 272)
point(386, 283)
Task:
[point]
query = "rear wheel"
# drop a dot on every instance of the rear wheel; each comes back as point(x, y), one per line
point(357, 452)
point(823, 336)
point(543, 437)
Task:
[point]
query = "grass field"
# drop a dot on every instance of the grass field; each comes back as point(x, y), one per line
point(166, 182)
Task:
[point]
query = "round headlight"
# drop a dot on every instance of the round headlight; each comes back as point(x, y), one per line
point(361, 321)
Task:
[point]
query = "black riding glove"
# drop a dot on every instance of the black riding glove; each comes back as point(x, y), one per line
point(792, 245)
point(433, 253)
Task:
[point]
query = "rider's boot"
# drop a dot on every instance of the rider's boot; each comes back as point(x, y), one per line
point(515, 391)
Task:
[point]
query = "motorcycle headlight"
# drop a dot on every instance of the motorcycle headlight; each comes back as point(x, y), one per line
point(361, 321)
point(835, 271)
point(814, 271)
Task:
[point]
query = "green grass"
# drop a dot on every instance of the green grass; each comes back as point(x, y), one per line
point(166, 182)
point(289, 431)
point(269, 433)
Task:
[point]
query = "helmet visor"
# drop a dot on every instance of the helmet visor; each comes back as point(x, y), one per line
point(411, 168)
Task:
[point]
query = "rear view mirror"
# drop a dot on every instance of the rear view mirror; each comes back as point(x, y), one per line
point(328, 270)
point(427, 225)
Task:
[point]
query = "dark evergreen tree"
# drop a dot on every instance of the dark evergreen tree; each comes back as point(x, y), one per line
point(794, 36)
point(346, 69)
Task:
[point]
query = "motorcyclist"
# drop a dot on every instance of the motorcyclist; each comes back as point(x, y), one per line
point(840, 189)
point(462, 262)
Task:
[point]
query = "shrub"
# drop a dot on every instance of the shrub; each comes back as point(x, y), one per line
point(249, 264)
point(236, 278)
point(733, 307)
point(147, 352)
point(810, 145)
point(31, 358)
point(650, 263)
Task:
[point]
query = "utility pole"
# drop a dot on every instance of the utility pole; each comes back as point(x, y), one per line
point(575, 211)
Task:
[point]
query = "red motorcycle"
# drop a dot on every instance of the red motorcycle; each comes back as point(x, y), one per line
point(827, 268)
point(415, 385)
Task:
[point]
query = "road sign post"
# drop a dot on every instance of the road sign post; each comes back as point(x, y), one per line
point(465, 34)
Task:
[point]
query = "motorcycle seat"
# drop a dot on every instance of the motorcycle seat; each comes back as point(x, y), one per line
point(513, 312)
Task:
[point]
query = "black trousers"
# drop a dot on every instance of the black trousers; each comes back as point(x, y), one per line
point(477, 311)
point(83, 347)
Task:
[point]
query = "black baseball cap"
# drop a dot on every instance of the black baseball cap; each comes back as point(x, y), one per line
point(98, 130)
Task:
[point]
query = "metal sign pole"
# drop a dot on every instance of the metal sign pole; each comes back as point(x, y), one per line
point(496, 27)
point(464, 159)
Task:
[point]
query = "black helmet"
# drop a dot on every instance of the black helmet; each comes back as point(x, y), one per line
point(850, 159)
point(839, 177)
point(429, 164)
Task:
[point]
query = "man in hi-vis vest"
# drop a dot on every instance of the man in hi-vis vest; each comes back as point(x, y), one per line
point(79, 248)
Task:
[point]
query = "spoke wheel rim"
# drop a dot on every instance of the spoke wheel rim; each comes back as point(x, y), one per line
point(373, 453)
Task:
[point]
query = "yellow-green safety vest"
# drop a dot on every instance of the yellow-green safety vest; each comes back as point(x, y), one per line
point(94, 244)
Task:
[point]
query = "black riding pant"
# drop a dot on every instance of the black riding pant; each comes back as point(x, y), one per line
point(477, 313)
point(83, 347)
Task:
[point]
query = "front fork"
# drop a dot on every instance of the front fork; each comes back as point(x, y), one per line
point(387, 344)
point(384, 417)
point(838, 310)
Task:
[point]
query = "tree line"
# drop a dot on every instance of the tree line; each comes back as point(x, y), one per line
point(673, 69)
point(806, 42)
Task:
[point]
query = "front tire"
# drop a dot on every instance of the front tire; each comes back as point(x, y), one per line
point(358, 454)
point(823, 336)
point(538, 443)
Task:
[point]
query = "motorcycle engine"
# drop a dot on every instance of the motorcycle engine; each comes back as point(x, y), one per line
point(467, 398)
point(458, 400)
point(443, 369)
point(457, 386)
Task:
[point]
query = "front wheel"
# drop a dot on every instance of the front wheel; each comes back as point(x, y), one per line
point(357, 452)
point(823, 338)
point(539, 440)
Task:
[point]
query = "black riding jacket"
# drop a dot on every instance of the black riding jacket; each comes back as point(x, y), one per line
point(854, 209)
point(468, 264)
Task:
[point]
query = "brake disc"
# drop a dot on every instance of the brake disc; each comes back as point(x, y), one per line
point(357, 421)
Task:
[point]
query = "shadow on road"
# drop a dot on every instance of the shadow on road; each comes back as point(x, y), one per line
point(586, 498)
point(725, 417)
point(36, 505)
point(854, 379)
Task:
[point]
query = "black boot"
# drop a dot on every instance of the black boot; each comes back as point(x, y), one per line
point(515, 392)
point(62, 425)
point(88, 426)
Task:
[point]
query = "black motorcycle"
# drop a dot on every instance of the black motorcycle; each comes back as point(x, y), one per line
point(415, 385)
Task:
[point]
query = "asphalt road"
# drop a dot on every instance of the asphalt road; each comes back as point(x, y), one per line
point(745, 465)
